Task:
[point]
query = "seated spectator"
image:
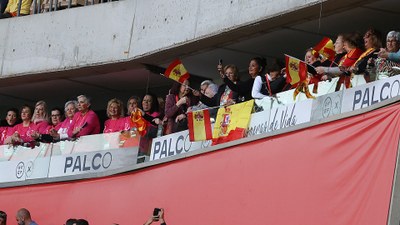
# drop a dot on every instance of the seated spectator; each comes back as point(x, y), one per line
point(116, 121)
point(132, 104)
point(70, 108)
point(22, 133)
point(12, 9)
point(24, 217)
point(85, 121)
point(40, 117)
point(224, 95)
point(3, 218)
point(176, 105)
point(372, 44)
point(8, 123)
point(160, 218)
point(256, 66)
point(393, 43)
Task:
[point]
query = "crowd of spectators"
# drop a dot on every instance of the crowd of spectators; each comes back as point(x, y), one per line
point(355, 54)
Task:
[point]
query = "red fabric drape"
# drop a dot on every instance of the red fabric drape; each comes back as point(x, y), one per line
point(337, 173)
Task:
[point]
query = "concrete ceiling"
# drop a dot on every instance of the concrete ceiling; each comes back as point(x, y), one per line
point(111, 82)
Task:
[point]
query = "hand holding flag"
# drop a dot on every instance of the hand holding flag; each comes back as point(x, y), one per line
point(325, 48)
point(176, 71)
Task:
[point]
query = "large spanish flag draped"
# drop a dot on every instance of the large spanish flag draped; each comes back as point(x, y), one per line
point(199, 125)
point(232, 122)
point(326, 48)
point(296, 70)
point(176, 71)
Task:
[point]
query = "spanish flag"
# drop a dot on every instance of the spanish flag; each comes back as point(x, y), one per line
point(176, 71)
point(296, 70)
point(139, 122)
point(325, 48)
point(232, 122)
point(199, 125)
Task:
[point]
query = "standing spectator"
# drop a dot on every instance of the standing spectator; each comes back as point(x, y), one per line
point(3, 218)
point(132, 104)
point(52, 129)
point(151, 115)
point(70, 109)
point(12, 8)
point(85, 121)
point(270, 83)
point(333, 69)
point(22, 133)
point(116, 121)
point(56, 120)
point(40, 117)
point(177, 103)
point(383, 66)
point(8, 123)
point(372, 44)
point(24, 217)
point(392, 51)
point(224, 95)
point(256, 66)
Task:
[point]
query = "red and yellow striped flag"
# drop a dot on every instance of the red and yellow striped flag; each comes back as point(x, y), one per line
point(325, 48)
point(176, 71)
point(199, 125)
point(296, 70)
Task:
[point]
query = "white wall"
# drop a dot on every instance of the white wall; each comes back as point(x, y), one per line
point(122, 31)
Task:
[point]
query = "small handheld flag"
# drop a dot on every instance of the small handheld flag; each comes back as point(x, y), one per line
point(325, 48)
point(176, 71)
point(296, 70)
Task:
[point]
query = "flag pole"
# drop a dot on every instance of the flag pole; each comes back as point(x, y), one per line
point(178, 82)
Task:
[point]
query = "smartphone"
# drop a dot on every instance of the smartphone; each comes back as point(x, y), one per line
point(220, 62)
point(156, 214)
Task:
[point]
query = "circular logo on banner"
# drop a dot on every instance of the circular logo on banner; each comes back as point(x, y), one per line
point(20, 170)
point(327, 107)
point(29, 169)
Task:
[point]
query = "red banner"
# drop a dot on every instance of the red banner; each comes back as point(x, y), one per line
point(338, 173)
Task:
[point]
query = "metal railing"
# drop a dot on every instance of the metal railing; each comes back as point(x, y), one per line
point(42, 6)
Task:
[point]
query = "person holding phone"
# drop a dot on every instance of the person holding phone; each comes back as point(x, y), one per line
point(158, 215)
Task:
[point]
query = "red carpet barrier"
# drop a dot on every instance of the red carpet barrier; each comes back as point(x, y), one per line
point(336, 173)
